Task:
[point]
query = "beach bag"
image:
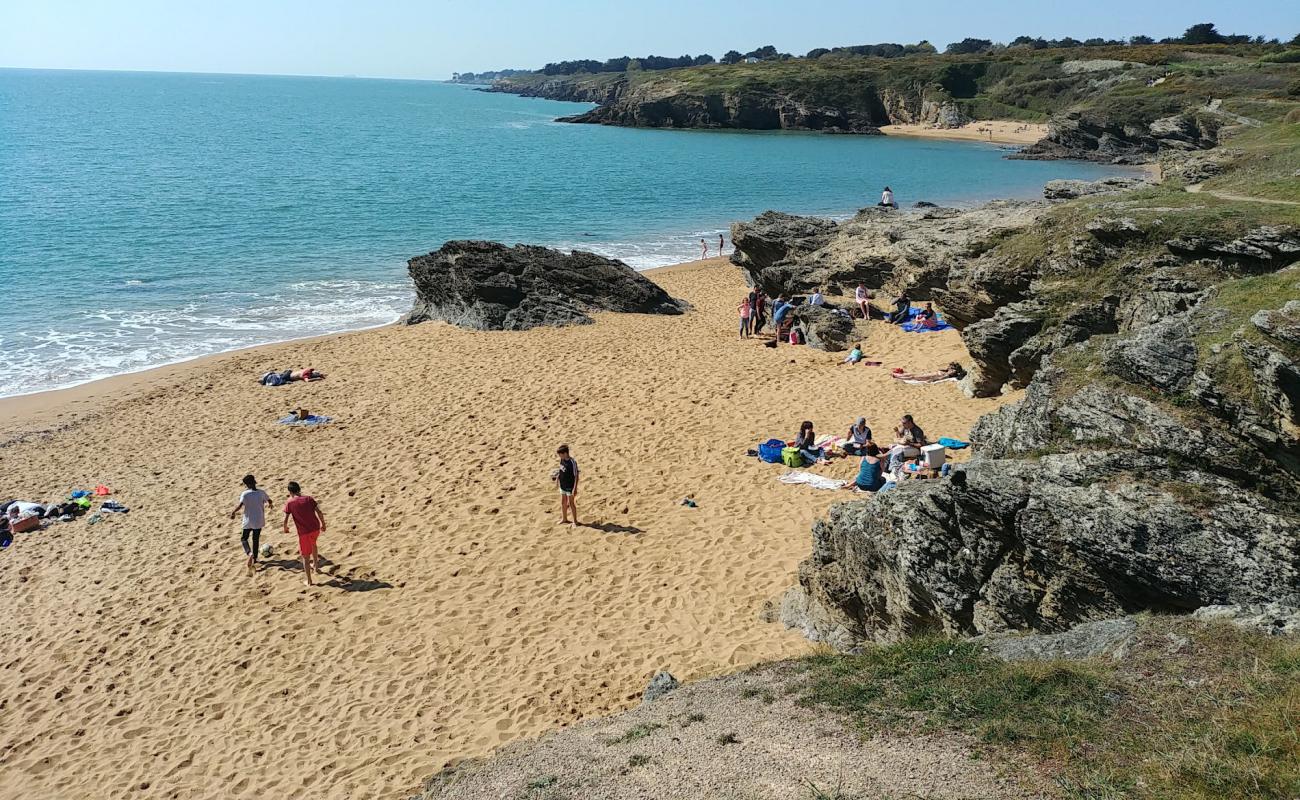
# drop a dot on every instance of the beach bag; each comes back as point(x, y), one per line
point(770, 451)
point(25, 524)
point(791, 457)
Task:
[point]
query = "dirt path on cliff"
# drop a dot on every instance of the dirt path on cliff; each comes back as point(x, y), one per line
point(1198, 188)
point(742, 737)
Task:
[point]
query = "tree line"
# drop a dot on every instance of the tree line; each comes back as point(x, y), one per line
point(1201, 33)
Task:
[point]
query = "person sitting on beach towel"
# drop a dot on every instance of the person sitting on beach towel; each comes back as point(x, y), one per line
point(806, 441)
point(908, 441)
point(902, 309)
point(954, 371)
point(859, 438)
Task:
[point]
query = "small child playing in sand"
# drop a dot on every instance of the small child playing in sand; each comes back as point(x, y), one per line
point(566, 477)
point(855, 355)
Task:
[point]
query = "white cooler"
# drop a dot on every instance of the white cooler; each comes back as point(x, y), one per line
point(934, 455)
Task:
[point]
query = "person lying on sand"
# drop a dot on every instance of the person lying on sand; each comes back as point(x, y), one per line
point(309, 521)
point(854, 356)
point(566, 477)
point(280, 377)
point(953, 370)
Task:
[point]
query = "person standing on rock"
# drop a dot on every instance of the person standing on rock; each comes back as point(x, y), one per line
point(309, 521)
point(566, 477)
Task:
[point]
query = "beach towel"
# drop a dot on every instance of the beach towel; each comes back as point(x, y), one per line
point(953, 444)
point(312, 419)
point(926, 383)
point(827, 442)
point(815, 481)
point(911, 326)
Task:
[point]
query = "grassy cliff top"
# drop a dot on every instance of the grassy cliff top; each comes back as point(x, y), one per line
point(1149, 82)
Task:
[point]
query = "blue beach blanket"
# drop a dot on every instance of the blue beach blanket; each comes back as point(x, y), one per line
point(953, 444)
point(312, 419)
point(915, 327)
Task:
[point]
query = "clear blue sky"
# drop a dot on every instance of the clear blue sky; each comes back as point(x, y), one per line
point(432, 39)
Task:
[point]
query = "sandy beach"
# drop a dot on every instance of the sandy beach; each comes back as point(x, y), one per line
point(998, 132)
point(140, 660)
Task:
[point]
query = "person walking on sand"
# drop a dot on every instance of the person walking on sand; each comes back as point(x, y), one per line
point(566, 477)
point(253, 502)
point(309, 521)
point(704, 249)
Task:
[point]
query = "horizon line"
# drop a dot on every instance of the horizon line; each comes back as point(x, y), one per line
point(222, 73)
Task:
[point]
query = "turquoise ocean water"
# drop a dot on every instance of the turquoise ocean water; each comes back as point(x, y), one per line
point(147, 218)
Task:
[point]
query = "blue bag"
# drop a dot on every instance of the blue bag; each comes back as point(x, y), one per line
point(770, 451)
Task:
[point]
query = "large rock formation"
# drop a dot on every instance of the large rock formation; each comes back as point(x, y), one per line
point(1153, 463)
point(489, 286)
point(916, 251)
point(1096, 137)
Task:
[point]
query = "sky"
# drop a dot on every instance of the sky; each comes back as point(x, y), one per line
point(432, 39)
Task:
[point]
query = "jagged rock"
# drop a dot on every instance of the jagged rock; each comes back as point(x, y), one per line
point(1167, 294)
point(1074, 189)
point(992, 341)
point(886, 249)
point(1267, 244)
point(825, 329)
point(1281, 324)
point(1273, 619)
point(661, 684)
point(489, 286)
point(1107, 638)
point(1091, 137)
point(1162, 355)
point(1277, 381)
point(1015, 545)
point(1080, 324)
point(1114, 231)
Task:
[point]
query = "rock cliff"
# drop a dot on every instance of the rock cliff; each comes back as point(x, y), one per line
point(489, 286)
point(1154, 461)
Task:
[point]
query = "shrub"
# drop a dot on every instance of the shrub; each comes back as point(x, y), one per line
point(1284, 57)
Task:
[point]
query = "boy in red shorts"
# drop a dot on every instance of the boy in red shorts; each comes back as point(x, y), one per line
point(310, 521)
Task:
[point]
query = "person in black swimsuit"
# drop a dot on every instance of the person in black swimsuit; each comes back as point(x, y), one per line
point(566, 477)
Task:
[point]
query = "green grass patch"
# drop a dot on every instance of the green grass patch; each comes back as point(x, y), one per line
point(636, 733)
point(1194, 711)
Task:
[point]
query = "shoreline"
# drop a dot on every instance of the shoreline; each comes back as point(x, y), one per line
point(35, 412)
point(989, 131)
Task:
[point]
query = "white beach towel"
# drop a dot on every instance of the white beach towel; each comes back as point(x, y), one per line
point(815, 481)
point(926, 383)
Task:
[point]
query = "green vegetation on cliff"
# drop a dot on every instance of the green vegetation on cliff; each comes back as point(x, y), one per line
point(1192, 711)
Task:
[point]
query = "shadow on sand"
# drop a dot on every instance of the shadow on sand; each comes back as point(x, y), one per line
point(329, 578)
point(611, 527)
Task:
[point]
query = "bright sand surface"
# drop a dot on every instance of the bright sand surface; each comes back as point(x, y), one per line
point(1001, 132)
point(140, 660)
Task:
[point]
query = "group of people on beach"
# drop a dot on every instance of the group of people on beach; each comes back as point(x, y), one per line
point(880, 465)
point(308, 521)
point(754, 307)
point(704, 247)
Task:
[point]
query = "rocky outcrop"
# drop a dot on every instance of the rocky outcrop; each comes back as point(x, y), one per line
point(670, 104)
point(489, 286)
point(825, 329)
point(915, 251)
point(1074, 189)
point(1091, 136)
